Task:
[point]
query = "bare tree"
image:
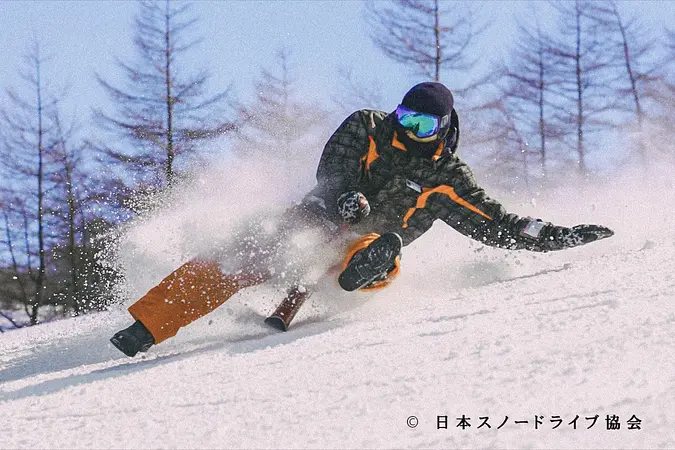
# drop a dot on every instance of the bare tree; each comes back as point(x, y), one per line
point(513, 129)
point(582, 58)
point(25, 160)
point(46, 256)
point(528, 84)
point(277, 122)
point(161, 113)
point(420, 33)
point(503, 148)
point(634, 56)
point(14, 282)
point(662, 91)
point(67, 178)
point(73, 256)
point(355, 95)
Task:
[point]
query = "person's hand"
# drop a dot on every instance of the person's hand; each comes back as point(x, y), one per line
point(579, 235)
point(353, 206)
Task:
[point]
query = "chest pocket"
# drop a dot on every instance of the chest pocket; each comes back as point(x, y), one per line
point(394, 198)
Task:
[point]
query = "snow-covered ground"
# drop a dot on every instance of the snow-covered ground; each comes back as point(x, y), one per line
point(465, 330)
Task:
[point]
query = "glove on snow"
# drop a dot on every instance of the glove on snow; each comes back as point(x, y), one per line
point(581, 234)
point(353, 206)
point(551, 237)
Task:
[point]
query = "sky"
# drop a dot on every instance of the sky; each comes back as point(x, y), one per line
point(240, 38)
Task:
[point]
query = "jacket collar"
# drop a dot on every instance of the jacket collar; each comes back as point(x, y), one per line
point(396, 143)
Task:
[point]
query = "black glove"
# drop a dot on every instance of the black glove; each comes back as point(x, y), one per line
point(581, 234)
point(546, 237)
point(353, 206)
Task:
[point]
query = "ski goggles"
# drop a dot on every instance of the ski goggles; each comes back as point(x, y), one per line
point(422, 125)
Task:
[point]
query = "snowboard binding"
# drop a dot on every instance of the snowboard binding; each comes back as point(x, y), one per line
point(374, 261)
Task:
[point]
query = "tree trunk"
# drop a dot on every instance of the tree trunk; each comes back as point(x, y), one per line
point(437, 34)
point(169, 101)
point(633, 82)
point(73, 252)
point(581, 152)
point(542, 122)
point(40, 281)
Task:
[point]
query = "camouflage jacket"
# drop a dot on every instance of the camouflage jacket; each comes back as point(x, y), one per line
point(408, 193)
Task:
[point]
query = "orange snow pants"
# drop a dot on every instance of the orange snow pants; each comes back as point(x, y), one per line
point(199, 286)
point(195, 289)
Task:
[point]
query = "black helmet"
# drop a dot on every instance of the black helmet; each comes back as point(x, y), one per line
point(426, 117)
point(430, 98)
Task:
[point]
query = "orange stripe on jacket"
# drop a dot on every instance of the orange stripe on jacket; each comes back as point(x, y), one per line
point(398, 144)
point(439, 150)
point(443, 189)
point(372, 154)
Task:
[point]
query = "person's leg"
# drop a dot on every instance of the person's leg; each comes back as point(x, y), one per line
point(192, 291)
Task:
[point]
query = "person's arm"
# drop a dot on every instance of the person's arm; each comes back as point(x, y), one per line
point(466, 207)
point(339, 169)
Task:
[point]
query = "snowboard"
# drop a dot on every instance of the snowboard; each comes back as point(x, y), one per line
point(282, 317)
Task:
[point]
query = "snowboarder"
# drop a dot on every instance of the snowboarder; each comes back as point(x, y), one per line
point(386, 177)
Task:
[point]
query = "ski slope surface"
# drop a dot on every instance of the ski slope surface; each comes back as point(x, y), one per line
point(528, 348)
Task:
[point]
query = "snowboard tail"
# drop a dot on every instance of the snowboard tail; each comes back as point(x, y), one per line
point(282, 317)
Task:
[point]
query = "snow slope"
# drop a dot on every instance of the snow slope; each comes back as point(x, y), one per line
point(465, 330)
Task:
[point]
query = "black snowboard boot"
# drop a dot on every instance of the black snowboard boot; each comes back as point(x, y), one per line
point(134, 339)
point(372, 263)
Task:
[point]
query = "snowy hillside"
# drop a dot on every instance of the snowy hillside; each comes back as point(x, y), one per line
point(479, 332)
